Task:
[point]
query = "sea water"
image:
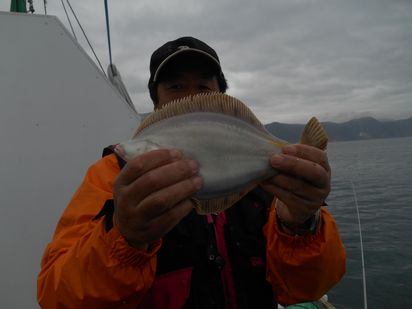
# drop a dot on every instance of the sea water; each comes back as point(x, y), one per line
point(381, 173)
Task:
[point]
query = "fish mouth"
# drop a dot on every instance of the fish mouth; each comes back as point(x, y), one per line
point(119, 150)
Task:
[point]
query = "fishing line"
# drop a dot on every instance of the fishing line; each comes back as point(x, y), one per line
point(68, 19)
point(108, 31)
point(365, 301)
point(87, 39)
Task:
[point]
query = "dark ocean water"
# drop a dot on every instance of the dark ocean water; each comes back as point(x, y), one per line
point(381, 172)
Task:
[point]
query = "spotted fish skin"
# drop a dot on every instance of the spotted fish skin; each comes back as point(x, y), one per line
point(223, 135)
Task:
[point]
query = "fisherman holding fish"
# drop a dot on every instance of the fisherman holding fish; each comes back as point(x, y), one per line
point(202, 208)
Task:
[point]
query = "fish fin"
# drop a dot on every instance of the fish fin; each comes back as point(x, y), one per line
point(219, 204)
point(207, 102)
point(314, 134)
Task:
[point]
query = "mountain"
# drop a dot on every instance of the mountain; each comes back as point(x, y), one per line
point(356, 129)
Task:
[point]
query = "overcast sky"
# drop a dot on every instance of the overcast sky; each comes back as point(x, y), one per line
point(287, 59)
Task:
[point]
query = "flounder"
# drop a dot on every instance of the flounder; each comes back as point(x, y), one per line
point(222, 134)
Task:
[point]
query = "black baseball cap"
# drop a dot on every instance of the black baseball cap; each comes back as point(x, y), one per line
point(169, 50)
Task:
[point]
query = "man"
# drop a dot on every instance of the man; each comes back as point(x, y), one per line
point(130, 237)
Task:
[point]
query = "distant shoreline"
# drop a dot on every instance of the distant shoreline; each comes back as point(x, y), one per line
point(368, 139)
point(357, 129)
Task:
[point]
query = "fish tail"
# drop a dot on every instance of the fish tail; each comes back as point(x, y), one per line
point(314, 134)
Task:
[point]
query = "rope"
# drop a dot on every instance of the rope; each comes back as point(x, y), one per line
point(108, 32)
point(68, 19)
point(87, 39)
point(365, 300)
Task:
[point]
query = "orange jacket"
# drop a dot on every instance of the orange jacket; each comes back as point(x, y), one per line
point(86, 267)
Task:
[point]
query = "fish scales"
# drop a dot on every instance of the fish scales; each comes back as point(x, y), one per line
point(232, 147)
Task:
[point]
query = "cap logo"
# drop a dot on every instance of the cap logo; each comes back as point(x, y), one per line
point(182, 47)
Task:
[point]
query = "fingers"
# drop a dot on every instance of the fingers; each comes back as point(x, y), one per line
point(151, 195)
point(164, 200)
point(169, 220)
point(300, 188)
point(305, 162)
point(146, 162)
point(309, 153)
point(293, 216)
point(161, 177)
point(300, 201)
point(147, 232)
point(303, 182)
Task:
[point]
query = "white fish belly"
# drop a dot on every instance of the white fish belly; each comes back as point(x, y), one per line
point(232, 154)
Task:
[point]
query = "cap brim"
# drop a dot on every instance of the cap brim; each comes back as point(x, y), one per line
point(183, 50)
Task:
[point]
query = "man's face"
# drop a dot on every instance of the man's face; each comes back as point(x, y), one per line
point(187, 83)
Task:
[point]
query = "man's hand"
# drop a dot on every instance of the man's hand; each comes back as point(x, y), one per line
point(303, 182)
point(151, 195)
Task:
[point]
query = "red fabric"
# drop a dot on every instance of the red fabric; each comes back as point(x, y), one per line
point(226, 273)
point(169, 291)
point(257, 261)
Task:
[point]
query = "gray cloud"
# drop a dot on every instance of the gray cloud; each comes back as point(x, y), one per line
point(287, 59)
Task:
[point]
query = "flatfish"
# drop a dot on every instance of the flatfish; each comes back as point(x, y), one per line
point(222, 134)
